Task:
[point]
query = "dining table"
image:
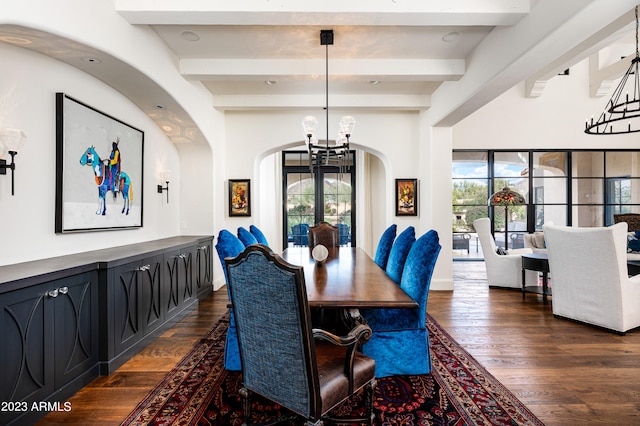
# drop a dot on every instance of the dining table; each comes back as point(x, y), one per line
point(348, 278)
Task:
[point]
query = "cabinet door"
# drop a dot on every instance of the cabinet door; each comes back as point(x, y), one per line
point(76, 326)
point(150, 281)
point(127, 329)
point(204, 265)
point(178, 280)
point(27, 346)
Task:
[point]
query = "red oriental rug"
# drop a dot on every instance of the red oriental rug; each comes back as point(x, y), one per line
point(459, 391)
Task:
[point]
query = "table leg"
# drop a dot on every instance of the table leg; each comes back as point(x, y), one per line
point(523, 282)
point(544, 287)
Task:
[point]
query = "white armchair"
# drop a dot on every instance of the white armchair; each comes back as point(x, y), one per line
point(589, 274)
point(502, 270)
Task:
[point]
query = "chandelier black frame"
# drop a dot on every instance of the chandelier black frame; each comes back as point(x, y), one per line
point(326, 154)
point(618, 117)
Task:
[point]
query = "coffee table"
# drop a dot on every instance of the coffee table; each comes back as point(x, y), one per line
point(536, 262)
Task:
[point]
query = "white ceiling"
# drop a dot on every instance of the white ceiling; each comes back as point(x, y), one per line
point(393, 54)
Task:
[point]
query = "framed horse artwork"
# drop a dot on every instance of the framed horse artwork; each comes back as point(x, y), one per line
point(99, 169)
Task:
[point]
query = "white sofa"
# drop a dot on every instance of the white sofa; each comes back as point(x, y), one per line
point(502, 270)
point(589, 274)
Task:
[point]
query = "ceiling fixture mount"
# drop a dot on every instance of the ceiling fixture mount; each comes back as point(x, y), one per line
point(328, 154)
point(622, 112)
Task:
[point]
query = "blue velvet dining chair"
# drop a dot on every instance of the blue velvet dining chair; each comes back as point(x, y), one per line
point(246, 237)
point(400, 340)
point(256, 232)
point(229, 245)
point(300, 234)
point(384, 246)
point(345, 234)
point(399, 252)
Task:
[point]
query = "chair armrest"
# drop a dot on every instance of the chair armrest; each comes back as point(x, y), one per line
point(358, 334)
point(520, 251)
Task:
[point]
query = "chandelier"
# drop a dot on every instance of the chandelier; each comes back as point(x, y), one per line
point(622, 109)
point(328, 153)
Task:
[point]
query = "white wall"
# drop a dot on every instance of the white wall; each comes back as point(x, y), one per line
point(27, 102)
point(555, 120)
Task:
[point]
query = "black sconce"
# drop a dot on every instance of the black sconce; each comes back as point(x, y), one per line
point(166, 175)
point(11, 140)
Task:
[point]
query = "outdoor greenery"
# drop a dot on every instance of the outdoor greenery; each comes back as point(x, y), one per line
point(470, 203)
point(301, 202)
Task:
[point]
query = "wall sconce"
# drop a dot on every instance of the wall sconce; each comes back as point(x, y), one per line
point(11, 140)
point(166, 176)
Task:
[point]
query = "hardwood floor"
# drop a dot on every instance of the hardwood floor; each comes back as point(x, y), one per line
point(565, 373)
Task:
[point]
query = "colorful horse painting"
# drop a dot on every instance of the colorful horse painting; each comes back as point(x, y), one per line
point(108, 181)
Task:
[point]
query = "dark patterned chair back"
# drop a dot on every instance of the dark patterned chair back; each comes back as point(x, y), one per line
point(324, 233)
point(632, 219)
point(274, 330)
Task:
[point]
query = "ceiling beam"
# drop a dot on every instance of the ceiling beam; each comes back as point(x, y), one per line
point(369, 69)
point(317, 101)
point(547, 33)
point(327, 12)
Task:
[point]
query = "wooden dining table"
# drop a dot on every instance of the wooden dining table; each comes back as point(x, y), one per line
point(348, 278)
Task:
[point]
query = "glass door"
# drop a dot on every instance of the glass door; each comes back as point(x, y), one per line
point(327, 195)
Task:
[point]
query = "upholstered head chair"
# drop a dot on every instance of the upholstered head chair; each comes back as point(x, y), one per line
point(257, 233)
point(589, 276)
point(229, 245)
point(384, 246)
point(502, 270)
point(306, 371)
point(399, 252)
point(400, 341)
point(324, 233)
point(246, 237)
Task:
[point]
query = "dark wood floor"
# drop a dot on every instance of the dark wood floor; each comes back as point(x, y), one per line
point(566, 373)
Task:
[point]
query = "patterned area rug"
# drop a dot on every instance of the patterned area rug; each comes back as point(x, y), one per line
point(459, 391)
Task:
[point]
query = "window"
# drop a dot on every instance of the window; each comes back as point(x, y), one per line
point(580, 188)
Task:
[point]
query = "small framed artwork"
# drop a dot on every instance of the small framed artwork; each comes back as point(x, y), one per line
point(406, 197)
point(99, 170)
point(239, 197)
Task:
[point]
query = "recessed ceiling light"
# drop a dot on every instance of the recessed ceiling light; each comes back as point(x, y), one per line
point(190, 36)
point(167, 128)
point(451, 36)
point(91, 60)
point(15, 40)
point(270, 82)
point(374, 82)
point(159, 106)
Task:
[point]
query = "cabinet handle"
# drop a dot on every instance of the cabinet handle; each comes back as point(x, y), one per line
point(143, 268)
point(53, 293)
point(63, 290)
point(202, 248)
point(182, 255)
